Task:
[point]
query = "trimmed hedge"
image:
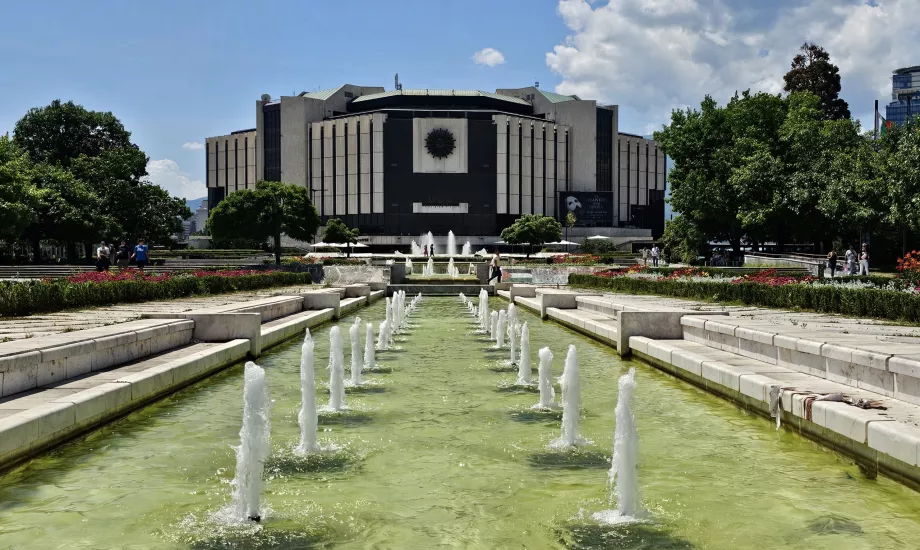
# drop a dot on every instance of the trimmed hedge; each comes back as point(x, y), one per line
point(29, 297)
point(877, 303)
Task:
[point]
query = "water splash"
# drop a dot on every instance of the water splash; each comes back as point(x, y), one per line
point(356, 361)
point(483, 311)
point(383, 337)
point(500, 329)
point(307, 416)
point(623, 478)
point(336, 370)
point(409, 266)
point(512, 343)
point(370, 361)
point(416, 251)
point(428, 271)
point(467, 249)
point(451, 244)
point(254, 446)
point(493, 325)
point(523, 377)
point(544, 374)
point(452, 269)
point(571, 403)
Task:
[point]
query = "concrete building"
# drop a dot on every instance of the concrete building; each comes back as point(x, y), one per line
point(905, 95)
point(404, 162)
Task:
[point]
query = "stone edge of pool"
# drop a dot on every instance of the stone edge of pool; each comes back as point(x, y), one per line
point(673, 341)
point(233, 333)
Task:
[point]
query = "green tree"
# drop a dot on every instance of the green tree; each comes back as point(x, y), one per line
point(337, 232)
point(898, 173)
point(682, 240)
point(532, 229)
point(18, 196)
point(570, 221)
point(813, 72)
point(269, 210)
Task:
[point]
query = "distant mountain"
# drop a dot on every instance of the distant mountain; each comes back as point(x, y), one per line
point(193, 204)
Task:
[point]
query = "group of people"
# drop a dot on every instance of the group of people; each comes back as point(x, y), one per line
point(429, 252)
point(654, 253)
point(850, 261)
point(123, 255)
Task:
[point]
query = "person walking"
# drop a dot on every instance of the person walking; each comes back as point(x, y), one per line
point(495, 269)
point(426, 251)
point(102, 257)
point(864, 260)
point(832, 262)
point(124, 254)
point(140, 254)
point(850, 258)
point(644, 256)
point(656, 253)
point(431, 249)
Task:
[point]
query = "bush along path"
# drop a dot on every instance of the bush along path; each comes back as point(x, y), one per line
point(110, 287)
point(892, 299)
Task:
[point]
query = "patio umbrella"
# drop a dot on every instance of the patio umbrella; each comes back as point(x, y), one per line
point(597, 237)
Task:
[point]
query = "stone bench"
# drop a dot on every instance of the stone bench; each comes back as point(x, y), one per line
point(32, 362)
point(866, 362)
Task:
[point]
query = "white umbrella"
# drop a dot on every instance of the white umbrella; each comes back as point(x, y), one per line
point(566, 243)
point(326, 245)
point(358, 245)
point(597, 237)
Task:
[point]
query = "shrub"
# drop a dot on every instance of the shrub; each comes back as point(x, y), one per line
point(828, 298)
point(97, 289)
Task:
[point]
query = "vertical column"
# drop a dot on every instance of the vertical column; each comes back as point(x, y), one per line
point(340, 185)
point(661, 171)
point(212, 165)
point(379, 119)
point(351, 144)
point(328, 194)
point(501, 164)
point(642, 175)
point(538, 181)
point(221, 164)
point(364, 159)
point(316, 166)
point(527, 167)
point(562, 158)
point(549, 163)
point(515, 167)
point(250, 145)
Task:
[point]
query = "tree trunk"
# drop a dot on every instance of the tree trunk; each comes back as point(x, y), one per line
point(348, 252)
point(88, 248)
point(36, 251)
point(277, 238)
point(735, 241)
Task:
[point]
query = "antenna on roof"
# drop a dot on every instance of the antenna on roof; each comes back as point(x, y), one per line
point(398, 85)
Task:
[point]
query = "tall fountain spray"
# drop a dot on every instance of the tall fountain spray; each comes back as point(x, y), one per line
point(429, 268)
point(254, 445)
point(356, 362)
point(369, 360)
point(571, 403)
point(467, 249)
point(483, 310)
point(500, 329)
point(409, 263)
point(429, 240)
point(307, 416)
point(512, 320)
point(336, 370)
point(524, 361)
point(389, 309)
point(383, 337)
point(624, 481)
point(512, 343)
point(493, 325)
point(451, 244)
point(545, 373)
point(416, 249)
point(452, 269)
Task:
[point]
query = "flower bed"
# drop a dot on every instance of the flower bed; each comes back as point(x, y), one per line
point(127, 286)
point(896, 299)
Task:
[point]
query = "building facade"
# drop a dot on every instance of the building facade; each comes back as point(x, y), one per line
point(405, 162)
point(905, 95)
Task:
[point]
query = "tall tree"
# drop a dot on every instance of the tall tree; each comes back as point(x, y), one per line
point(268, 211)
point(532, 229)
point(812, 71)
point(338, 232)
point(18, 196)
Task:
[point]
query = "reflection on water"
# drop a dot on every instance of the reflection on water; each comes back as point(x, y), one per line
point(441, 458)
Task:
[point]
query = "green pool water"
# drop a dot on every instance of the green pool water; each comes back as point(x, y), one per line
point(439, 455)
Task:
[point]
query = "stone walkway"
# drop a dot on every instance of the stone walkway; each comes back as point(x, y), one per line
point(15, 328)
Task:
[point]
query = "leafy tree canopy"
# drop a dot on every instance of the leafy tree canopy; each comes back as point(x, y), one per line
point(18, 196)
point(337, 232)
point(813, 72)
point(533, 229)
point(269, 210)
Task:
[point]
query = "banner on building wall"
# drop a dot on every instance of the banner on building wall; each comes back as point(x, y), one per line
point(591, 208)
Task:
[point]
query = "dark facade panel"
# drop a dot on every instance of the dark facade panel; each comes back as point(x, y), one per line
point(604, 141)
point(403, 187)
point(271, 141)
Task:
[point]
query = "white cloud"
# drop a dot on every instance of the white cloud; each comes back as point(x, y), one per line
point(193, 145)
point(656, 55)
point(489, 57)
point(166, 174)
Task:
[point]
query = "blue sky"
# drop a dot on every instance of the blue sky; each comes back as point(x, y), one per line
point(176, 72)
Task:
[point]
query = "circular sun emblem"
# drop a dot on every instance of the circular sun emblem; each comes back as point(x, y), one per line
point(440, 143)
